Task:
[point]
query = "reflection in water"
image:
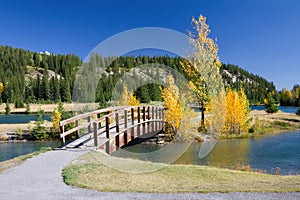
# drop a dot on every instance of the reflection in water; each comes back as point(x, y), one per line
point(270, 153)
point(9, 150)
point(221, 155)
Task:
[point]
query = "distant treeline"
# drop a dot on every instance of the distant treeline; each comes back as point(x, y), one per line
point(33, 77)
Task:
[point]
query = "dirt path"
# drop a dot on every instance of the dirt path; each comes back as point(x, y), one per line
point(40, 178)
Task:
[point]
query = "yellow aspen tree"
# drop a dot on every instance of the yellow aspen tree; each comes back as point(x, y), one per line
point(55, 119)
point(127, 98)
point(216, 111)
point(170, 94)
point(1, 87)
point(203, 65)
point(237, 112)
point(243, 111)
point(132, 100)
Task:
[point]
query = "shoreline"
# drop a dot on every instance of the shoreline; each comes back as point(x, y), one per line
point(269, 124)
point(48, 108)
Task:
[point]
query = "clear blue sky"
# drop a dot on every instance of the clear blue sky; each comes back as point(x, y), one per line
point(261, 36)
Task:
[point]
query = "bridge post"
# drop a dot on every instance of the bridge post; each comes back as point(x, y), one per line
point(148, 118)
point(77, 132)
point(117, 123)
point(144, 119)
point(156, 117)
point(152, 119)
point(139, 121)
point(95, 125)
point(125, 126)
point(63, 139)
point(160, 114)
point(132, 116)
point(89, 126)
point(107, 127)
point(132, 123)
point(163, 118)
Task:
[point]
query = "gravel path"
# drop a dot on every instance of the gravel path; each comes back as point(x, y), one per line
point(40, 178)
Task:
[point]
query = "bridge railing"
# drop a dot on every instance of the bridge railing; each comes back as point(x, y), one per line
point(105, 119)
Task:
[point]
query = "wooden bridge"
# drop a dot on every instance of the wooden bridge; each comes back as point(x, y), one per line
point(111, 128)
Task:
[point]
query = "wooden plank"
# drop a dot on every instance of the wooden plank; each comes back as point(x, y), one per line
point(85, 115)
point(89, 126)
point(95, 125)
point(139, 114)
point(74, 129)
point(125, 126)
point(132, 116)
point(144, 113)
point(117, 122)
point(107, 121)
point(77, 131)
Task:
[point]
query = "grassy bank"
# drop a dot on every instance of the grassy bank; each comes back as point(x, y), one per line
point(19, 160)
point(262, 123)
point(89, 172)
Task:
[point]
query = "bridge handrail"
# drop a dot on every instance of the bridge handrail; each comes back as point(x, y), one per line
point(88, 114)
point(112, 112)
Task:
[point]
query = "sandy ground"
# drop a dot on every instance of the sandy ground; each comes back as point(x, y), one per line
point(35, 107)
point(48, 108)
point(279, 116)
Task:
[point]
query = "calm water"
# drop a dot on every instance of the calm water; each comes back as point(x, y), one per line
point(9, 150)
point(268, 153)
point(287, 109)
point(20, 118)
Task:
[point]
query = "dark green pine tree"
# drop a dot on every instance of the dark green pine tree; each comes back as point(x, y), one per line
point(154, 91)
point(65, 91)
point(46, 86)
point(298, 111)
point(142, 93)
point(270, 106)
point(56, 89)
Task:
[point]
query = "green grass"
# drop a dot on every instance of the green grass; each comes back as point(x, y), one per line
point(19, 160)
point(90, 172)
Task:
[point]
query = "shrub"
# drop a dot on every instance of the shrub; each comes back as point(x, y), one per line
point(298, 111)
point(270, 106)
point(7, 108)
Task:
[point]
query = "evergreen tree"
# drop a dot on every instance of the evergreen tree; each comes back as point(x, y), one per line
point(142, 93)
point(39, 131)
point(298, 111)
point(7, 108)
point(65, 92)
point(270, 106)
point(45, 86)
point(27, 108)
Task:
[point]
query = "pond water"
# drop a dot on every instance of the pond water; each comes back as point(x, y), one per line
point(21, 118)
point(273, 153)
point(9, 150)
point(287, 109)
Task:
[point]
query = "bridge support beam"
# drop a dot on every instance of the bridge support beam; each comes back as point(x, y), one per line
point(95, 125)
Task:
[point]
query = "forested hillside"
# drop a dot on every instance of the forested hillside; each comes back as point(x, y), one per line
point(19, 86)
point(33, 77)
point(256, 88)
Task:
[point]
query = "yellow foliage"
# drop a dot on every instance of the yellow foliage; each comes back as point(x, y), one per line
point(216, 111)
point(1, 87)
point(203, 65)
point(127, 98)
point(237, 112)
point(170, 94)
point(132, 100)
point(297, 93)
point(55, 119)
